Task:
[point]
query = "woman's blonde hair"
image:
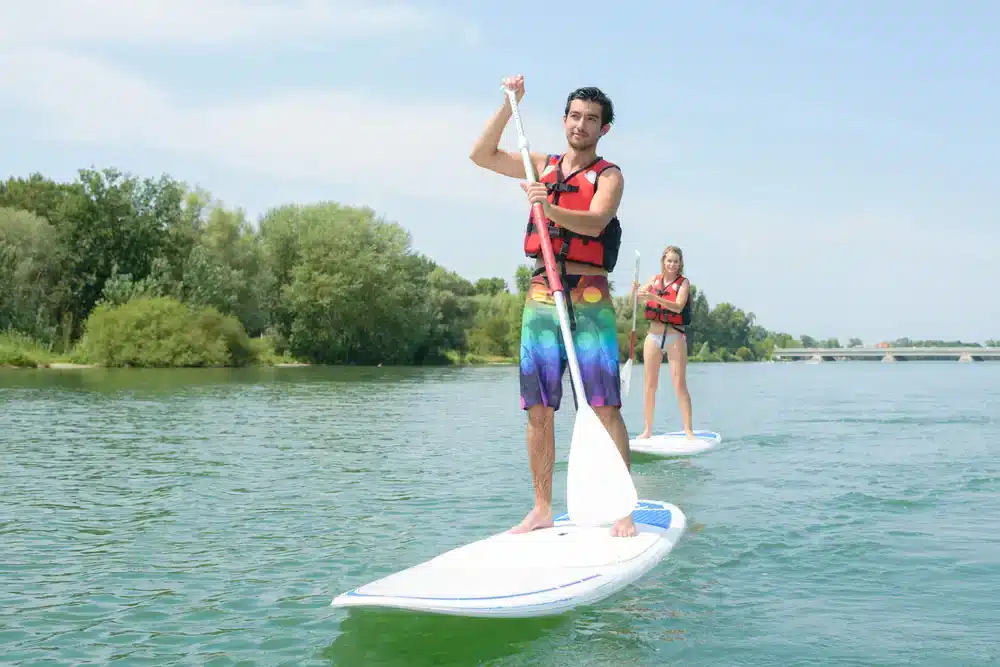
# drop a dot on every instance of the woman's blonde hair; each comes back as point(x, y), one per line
point(680, 254)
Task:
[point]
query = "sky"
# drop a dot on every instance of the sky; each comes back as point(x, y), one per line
point(822, 165)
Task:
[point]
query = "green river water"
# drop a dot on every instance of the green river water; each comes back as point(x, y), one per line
point(208, 517)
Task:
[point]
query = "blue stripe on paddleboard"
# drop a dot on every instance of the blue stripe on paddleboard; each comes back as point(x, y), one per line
point(650, 514)
point(527, 607)
point(356, 593)
point(658, 517)
point(712, 435)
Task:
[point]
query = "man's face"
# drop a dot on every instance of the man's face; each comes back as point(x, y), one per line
point(583, 124)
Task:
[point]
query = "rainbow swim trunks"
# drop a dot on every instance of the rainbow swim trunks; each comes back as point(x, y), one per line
point(543, 355)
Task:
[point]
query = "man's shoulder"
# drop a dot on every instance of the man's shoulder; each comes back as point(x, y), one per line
point(609, 172)
point(605, 166)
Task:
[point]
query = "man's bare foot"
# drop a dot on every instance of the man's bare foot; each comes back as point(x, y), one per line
point(537, 518)
point(623, 527)
point(690, 435)
point(645, 434)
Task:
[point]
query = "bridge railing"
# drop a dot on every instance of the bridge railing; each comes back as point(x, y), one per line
point(887, 350)
point(912, 351)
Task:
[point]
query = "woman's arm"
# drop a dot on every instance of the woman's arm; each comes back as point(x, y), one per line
point(644, 289)
point(676, 306)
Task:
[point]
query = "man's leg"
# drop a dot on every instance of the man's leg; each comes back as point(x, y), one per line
point(541, 392)
point(541, 456)
point(596, 341)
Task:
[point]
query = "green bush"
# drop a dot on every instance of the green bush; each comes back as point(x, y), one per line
point(17, 349)
point(266, 350)
point(162, 332)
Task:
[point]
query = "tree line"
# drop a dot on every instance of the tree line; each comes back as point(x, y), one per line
point(116, 269)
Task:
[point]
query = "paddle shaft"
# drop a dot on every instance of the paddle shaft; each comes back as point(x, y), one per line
point(555, 283)
point(635, 307)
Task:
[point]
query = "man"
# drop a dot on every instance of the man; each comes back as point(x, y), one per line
point(580, 194)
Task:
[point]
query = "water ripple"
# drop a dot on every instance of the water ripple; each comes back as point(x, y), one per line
point(208, 517)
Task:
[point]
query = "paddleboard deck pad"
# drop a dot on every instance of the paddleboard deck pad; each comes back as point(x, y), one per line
point(544, 572)
point(676, 443)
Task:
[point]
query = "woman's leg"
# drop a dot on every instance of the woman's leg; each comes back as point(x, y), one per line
point(677, 357)
point(651, 358)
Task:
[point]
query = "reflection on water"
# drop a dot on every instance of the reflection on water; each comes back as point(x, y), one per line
point(390, 638)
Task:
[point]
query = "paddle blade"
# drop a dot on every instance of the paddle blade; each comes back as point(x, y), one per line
point(626, 376)
point(599, 488)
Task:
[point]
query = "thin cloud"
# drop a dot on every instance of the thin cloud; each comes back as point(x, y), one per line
point(217, 22)
point(322, 136)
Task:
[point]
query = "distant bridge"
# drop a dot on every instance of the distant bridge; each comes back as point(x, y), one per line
point(887, 354)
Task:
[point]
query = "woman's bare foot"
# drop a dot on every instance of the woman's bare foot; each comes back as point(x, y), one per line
point(645, 434)
point(623, 527)
point(537, 518)
point(690, 434)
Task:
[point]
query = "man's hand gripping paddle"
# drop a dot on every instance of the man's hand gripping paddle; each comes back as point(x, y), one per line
point(599, 488)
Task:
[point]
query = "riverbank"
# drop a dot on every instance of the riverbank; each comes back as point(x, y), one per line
point(18, 351)
point(69, 365)
point(65, 365)
point(21, 353)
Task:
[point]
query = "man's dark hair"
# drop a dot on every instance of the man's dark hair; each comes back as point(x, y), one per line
point(591, 94)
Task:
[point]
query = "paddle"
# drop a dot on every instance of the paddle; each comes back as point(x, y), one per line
point(627, 369)
point(599, 488)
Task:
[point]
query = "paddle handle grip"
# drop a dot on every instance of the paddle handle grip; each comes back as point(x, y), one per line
point(537, 214)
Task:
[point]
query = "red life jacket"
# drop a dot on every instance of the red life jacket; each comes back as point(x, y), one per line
point(575, 192)
point(658, 313)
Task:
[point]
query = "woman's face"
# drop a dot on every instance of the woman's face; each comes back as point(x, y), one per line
point(671, 262)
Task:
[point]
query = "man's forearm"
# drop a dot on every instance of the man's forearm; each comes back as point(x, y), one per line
point(489, 141)
point(587, 223)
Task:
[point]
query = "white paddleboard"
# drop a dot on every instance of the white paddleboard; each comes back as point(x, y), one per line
point(544, 572)
point(676, 443)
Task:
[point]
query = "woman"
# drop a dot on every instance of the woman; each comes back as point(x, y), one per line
point(668, 311)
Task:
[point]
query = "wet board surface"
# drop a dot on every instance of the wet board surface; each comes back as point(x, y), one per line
point(544, 572)
point(676, 443)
